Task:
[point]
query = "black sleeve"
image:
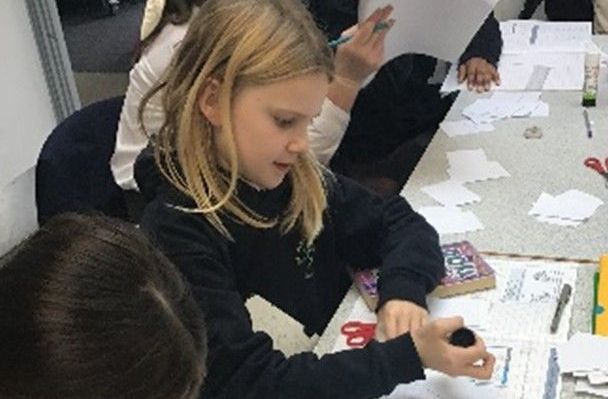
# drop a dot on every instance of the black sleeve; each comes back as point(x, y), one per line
point(372, 231)
point(487, 42)
point(242, 363)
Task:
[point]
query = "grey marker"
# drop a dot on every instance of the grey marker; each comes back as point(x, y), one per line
point(564, 297)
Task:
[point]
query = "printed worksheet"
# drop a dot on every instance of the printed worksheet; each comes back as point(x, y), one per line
point(514, 320)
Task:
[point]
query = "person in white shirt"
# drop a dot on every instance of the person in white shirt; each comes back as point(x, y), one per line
point(165, 24)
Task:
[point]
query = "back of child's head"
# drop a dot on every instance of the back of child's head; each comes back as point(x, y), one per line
point(238, 43)
point(89, 309)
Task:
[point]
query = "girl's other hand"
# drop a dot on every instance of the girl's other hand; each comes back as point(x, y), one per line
point(396, 317)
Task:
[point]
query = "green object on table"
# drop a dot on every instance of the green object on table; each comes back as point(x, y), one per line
point(596, 279)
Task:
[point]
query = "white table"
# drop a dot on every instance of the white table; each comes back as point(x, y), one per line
point(553, 164)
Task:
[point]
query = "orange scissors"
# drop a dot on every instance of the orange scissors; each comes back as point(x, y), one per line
point(358, 334)
point(596, 164)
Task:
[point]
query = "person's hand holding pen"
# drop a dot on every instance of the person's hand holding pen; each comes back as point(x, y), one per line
point(359, 53)
point(432, 341)
point(479, 74)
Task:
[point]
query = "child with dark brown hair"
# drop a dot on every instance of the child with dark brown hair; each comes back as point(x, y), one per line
point(89, 309)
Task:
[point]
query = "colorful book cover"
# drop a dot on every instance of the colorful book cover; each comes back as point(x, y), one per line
point(466, 271)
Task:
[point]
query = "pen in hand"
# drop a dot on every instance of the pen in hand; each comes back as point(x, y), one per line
point(343, 39)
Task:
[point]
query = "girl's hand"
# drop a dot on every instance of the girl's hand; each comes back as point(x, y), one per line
point(479, 74)
point(396, 317)
point(363, 54)
point(435, 351)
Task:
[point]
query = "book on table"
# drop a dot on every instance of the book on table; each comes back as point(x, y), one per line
point(466, 271)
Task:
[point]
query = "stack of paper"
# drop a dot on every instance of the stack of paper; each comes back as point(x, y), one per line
point(538, 55)
point(568, 209)
point(468, 166)
point(585, 356)
point(451, 193)
point(450, 220)
point(532, 36)
point(506, 105)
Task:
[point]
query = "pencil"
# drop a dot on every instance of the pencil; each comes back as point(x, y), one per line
point(343, 39)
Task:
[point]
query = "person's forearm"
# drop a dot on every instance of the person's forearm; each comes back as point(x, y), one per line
point(343, 93)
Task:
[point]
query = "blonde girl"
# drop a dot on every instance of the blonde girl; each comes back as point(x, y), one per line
point(164, 25)
point(240, 205)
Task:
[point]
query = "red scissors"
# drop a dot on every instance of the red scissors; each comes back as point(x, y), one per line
point(596, 164)
point(358, 334)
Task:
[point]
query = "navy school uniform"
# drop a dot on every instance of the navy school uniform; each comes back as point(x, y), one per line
point(308, 283)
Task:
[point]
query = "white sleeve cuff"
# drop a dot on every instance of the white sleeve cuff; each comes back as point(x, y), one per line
point(326, 131)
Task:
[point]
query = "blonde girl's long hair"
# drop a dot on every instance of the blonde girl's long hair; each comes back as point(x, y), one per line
point(239, 43)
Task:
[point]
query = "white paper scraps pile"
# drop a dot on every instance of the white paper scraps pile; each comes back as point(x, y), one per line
point(451, 193)
point(466, 166)
point(450, 220)
point(585, 356)
point(506, 105)
point(568, 209)
point(538, 55)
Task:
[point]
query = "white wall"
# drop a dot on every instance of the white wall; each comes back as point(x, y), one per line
point(26, 118)
point(17, 211)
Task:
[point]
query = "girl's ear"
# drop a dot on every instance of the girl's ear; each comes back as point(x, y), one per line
point(209, 102)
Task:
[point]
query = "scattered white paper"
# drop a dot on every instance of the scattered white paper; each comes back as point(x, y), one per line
point(460, 20)
point(584, 353)
point(571, 206)
point(583, 386)
point(440, 386)
point(464, 157)
point(464, 127)
point(597, 377)
point(451, 193)
point(474, 311)
point(467, 166)
point(511, 378)
point(513, 320)
point(469, 173)
point(450, 220)
point(558, 222)
point(531, 47)
point(566, 71)
point(503, 105)
point(520, 36)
